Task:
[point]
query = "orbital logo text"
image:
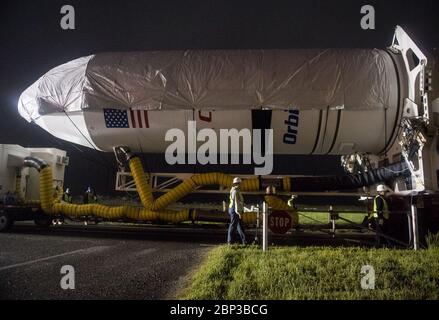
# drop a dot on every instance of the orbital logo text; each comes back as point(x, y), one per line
point(233, 146)
point(292, 125)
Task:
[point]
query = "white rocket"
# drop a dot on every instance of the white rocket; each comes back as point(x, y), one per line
point(318, 101)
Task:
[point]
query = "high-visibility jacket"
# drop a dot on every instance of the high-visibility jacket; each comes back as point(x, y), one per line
point(384, 210)
point(236, 200)
point(57, 195)
point(67, 198)
point(291, 203)
point(90, 198)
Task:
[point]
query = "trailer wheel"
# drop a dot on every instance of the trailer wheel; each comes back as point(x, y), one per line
point(43, 221)
point(5, 221)
point(58, 221)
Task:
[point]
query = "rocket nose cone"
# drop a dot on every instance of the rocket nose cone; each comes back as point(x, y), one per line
point(58, 91)
point(28, 104)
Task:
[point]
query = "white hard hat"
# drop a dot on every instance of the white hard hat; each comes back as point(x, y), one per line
point(237, 180)
point(67, 190)
point(381, 188)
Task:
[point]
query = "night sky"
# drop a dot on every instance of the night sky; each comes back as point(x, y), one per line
point(32, 42)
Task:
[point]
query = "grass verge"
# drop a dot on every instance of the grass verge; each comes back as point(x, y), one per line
point(311, 218)
point(232, 272)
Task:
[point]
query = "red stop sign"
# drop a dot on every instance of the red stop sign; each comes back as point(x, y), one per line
point(279, 222)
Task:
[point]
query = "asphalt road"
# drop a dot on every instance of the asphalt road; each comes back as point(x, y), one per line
point(111, 261)
point(108, 264)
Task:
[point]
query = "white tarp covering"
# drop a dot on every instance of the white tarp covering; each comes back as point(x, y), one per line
point(355, 79)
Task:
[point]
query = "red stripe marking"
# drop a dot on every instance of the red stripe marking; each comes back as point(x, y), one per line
point(145, 114)
point(133, 119)
point(139, 117)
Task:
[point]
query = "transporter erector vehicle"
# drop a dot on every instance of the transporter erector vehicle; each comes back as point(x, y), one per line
point(377, 108)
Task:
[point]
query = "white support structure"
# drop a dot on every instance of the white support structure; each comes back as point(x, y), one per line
point(265, 213)
point(163, 182)
point(415, 109)
point(415, 228)
point(12, 172)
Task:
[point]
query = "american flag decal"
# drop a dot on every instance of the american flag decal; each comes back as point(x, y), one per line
point(139, 118)
point(118, 118)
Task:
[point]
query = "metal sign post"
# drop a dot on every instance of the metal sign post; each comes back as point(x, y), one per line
point(415, 227)
point(264, 226)
point(258, 224)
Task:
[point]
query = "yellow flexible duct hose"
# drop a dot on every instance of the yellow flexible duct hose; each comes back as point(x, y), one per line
point(287, 183)
point(119, 212)
point(32, 202)
point(18, 186)
point(142, 183)
point(46, 185)
point(189, 185)
point(249, 217)
point(184, 188)
point(153, 209)
point(278, 204)
point(51, 206)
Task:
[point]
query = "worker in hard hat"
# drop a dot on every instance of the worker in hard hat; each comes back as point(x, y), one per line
point(90, 196)
point(380, 214)
point(236, 209)
point(57, 194)
point(67, 197)
point(293, 213)
point(291, 202)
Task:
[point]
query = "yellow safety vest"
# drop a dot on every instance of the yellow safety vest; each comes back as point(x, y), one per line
point(67, 198)
point(91, 198)
point(385, 207)
point(239, 200)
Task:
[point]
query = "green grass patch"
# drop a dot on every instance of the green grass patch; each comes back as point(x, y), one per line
point(433, 240)
point(312, 218)
point(232, 272)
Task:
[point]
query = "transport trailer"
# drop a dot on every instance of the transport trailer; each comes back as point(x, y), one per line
point(22, 212)
point(19, 186)
point(14, 206)
point(401, 226)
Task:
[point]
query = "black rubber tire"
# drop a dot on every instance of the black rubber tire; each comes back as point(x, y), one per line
point(5, 221)
point(43, 221)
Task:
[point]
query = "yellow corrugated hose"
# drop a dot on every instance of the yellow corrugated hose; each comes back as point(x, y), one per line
point(109, 212)
point(184, 188)
point(189, 185)
point(277, 203)
point(18, 186)
point(153, 209)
